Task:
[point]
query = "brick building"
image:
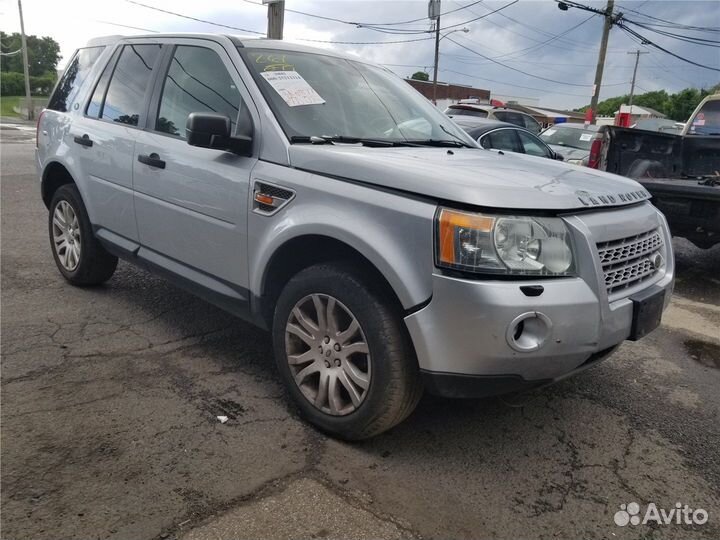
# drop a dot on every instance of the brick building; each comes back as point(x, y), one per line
point(448, 93)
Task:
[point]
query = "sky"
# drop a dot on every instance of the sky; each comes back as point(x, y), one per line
point(513, 52)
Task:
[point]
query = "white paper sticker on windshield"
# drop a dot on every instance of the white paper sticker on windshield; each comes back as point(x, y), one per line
point(585, 136)
point(292, 88)
point(549, 131)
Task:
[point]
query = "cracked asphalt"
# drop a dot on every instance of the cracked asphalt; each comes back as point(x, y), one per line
point(110, 396)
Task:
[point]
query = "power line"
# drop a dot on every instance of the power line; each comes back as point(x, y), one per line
point(539, 31)
point(127, 26)
point(516, 69)
point(195, 18)
point(366, 24)
point(511, 84)
point(688, 39)
point(672, 24)
point(646, 41)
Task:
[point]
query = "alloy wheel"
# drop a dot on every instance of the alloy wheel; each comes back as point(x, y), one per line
point(66, 236)
point(328, 354)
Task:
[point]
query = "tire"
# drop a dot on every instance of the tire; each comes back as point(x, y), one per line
point(388, 370)
point(78, 254)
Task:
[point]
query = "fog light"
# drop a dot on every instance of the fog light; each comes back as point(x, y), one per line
point(528, 332)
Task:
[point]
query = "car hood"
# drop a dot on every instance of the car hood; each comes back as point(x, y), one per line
point(472, 176)
point(568, 152)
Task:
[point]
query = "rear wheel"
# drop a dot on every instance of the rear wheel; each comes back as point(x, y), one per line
point(344, 353)
point(77, 253)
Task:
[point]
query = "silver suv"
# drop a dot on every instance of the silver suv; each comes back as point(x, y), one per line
point(324, 199)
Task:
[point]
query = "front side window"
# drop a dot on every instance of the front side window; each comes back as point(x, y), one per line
point(125, 97)
point(75, 74)
point(324, 96)
point(197, 81)
point(532, 146)
point(501, 139)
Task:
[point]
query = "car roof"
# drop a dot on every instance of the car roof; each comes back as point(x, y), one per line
point(239, 41)
point(476, 129)
point(568, 125)
point(472, 106)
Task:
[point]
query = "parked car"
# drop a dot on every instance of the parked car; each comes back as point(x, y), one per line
point(575, 142)
point(324, 199)
point(679, 171)
point(493, 135)
point(502, 114)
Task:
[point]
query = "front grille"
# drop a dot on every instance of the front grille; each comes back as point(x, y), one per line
point(629, 261)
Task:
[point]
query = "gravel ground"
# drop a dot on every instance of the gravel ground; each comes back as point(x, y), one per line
point(109, 398)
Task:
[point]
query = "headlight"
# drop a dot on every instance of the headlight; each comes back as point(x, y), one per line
point(575, 161)
point(503, 244)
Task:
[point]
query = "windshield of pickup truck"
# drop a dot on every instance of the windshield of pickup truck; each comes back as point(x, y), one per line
point(707, 119)
point(568, 136)
point(318, 97)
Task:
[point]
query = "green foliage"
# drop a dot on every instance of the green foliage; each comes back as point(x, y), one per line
point(420, 76)
point(43, 54)
point(677, 107)
point(13, 84)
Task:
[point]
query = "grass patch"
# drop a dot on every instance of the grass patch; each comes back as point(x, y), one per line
point(8, 103)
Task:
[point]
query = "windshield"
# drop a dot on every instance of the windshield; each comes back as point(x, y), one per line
point(707, 120)
point(314, 95)
point(572, 137)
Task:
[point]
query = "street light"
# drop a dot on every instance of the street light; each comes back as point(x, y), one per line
point(438, 37)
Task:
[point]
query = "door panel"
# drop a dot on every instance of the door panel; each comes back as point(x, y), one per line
point(194, 210)
point(105, 137)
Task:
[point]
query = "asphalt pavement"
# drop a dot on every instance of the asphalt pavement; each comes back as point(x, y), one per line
point(110, 397)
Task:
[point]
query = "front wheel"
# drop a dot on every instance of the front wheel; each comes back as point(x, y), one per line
point(343, 352)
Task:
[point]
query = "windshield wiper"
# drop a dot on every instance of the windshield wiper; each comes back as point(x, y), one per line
point(441, 143)
point(329, 139)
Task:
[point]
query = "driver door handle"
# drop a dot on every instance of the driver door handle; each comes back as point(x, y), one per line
point(85, 140)
point(153, 160)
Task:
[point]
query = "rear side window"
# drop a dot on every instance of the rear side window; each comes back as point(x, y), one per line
point(197, 81)
point(72, 80)
point(531, 124)
point(94, 108)
point(511, 117)
point(125, 98)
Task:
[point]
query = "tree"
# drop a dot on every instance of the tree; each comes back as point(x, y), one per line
point(43, 54)
point(677, 107)
point(420, 76)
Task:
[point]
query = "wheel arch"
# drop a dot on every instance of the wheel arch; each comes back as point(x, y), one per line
point(55, 174)
point(303, 251)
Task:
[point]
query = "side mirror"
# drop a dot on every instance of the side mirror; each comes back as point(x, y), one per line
point(212, 130)
point(558, 156)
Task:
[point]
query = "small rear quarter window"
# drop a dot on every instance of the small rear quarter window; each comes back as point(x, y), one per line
point(72, 80)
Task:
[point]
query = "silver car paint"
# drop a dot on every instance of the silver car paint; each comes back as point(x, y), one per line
point(463, 329)
point(468, 175)
point(382, 203)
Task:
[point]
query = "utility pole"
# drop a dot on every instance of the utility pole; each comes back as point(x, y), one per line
point(437, 55)
point(28, 98)
point(609, 20)
point(637, 54)
point(434, 13)
point(276, 18)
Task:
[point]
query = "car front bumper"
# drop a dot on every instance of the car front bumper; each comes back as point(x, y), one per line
point(485, 337)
